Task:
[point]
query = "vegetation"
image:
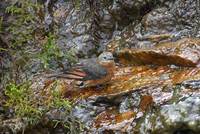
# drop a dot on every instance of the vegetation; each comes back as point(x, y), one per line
point(26, 30)
point(51, 52)
point(25, 21)
point(77, 3)
point(31, 108)
point(1, 21)
point(20, 98)
point(29, 41)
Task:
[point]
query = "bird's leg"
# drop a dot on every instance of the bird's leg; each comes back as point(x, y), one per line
point(99, 86)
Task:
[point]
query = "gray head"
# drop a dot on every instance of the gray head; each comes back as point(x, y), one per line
point(106, 57)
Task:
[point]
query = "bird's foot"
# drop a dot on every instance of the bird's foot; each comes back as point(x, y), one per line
point(99, 87)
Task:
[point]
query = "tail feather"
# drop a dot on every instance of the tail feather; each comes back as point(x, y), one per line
point(69, 75)
point(77, 72)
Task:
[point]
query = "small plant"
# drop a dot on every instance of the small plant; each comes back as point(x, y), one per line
point(22, 32)
point(20, 99)
point(25, 21)
point(1, 23)
point(59, 102)
point(70, 123)
point(31, 107)
point(51, 52)
point(1, 29)
point(77, 4)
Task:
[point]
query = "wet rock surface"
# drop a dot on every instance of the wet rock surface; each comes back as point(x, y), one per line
point(184, 52)
point(122, 108)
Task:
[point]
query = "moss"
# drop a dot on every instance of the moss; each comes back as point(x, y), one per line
point(1, 23)
point(27, 34)
point(27, 27)
point(24, 47)
point(51, 52)
point(25, 21)
point(59, 102)
point(77, 3)
point(64, 106)
point(30, 107)
point(20, 99)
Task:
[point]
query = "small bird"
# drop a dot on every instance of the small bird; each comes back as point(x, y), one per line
point(91, 72)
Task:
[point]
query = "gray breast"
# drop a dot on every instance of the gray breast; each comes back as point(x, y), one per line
point(93, 69)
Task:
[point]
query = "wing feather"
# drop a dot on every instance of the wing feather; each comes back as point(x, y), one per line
point(88, 69)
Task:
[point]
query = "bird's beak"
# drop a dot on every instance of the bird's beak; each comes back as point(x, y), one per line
point(110, 58)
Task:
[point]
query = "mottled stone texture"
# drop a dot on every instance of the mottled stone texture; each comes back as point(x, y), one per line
point(177, 19)
point(156, 98)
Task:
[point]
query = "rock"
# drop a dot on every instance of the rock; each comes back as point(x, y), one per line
point(127, 11)
point(107, 121)
point(132, 93)
point(180, 117)
point(170, 21)
point(184, 52)
point(12, 125)
point(131, 79)
point(86, 29)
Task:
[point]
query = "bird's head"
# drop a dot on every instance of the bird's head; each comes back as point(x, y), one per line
point(106, 57)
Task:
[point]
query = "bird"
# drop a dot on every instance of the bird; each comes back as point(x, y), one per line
point(92, 72)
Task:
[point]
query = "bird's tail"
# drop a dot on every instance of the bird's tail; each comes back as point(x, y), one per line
point(75, 74)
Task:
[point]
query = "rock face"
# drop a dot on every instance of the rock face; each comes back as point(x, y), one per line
point(127, 103)
point(133, 23)
point(156, 86)
point(120, 106)
point(170, 21)
point(182, 117)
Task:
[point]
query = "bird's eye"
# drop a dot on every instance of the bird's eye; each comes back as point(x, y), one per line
point(105, 57)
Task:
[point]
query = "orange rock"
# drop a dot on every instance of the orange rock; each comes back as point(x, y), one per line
point(185, 52)
point(145, 102)
point(130, 79)
point(110, 117)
